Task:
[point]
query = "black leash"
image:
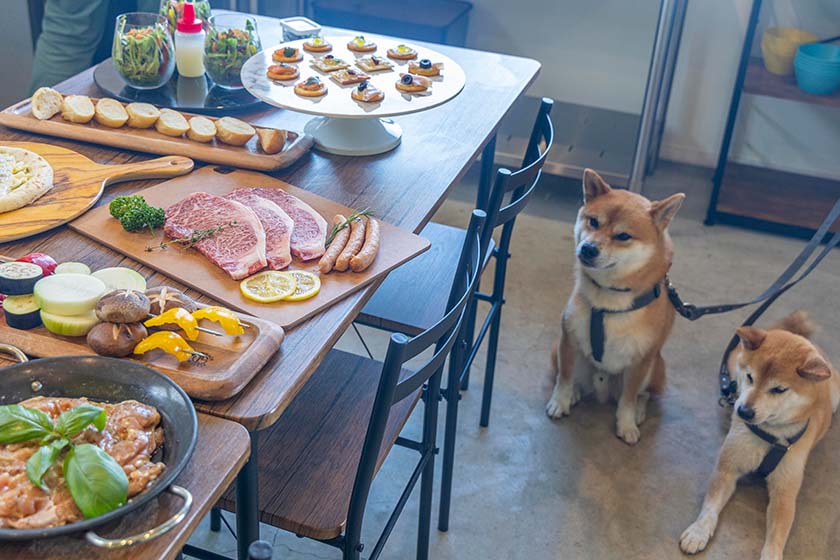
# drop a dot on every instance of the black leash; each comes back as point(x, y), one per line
point(777, 450)
point(728, 386)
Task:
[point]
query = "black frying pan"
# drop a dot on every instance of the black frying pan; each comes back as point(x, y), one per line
point(109, 380)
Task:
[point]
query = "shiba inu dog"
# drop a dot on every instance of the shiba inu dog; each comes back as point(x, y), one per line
point(788, 394)
point(618, 315)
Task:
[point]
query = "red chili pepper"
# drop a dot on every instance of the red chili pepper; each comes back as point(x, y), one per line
point(46, 262)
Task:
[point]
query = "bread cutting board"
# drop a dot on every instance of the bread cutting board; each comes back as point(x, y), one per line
point(191, 268)
point(235, 360)
point(149, 140)
point(78, 183)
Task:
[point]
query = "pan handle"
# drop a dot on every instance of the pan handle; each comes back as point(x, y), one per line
point(14, 351)
point(146, 536)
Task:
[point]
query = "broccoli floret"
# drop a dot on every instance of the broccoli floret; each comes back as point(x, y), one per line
point(142, 217)
point(123, 204)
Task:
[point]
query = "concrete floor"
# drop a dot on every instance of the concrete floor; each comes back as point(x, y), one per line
point(532, 488)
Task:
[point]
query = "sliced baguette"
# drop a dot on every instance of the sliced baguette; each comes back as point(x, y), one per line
point(171, 123)
point(77, 109)
point(46, 103)
point(271, 140)
point(142, 115)
point(110, 112)
point(233, 131)
point(201, 129)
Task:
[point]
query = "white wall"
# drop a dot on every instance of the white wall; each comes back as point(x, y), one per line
point(594, 52)
point(775, 133)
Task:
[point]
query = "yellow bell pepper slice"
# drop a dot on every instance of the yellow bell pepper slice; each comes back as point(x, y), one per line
point(176, 316)
point(168, 341)
point(226, 318)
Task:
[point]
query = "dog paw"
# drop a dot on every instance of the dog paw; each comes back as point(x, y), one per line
point(562, 400)
point(628, 432)
point(696, 537)
point(767, 554)
point(641, 410)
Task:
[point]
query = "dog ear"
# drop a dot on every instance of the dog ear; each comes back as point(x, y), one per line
point(662, 211)
point(814, 369)
point(593, 185)
point(751, 337)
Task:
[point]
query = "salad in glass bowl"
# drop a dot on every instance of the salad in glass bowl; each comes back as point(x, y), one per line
point(231, 40)
point(172, 10)
point(143, 50)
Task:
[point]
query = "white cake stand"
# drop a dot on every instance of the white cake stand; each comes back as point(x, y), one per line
point(345, 126)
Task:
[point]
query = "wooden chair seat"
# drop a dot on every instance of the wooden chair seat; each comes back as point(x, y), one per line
point(414, 296)
point(308, 459)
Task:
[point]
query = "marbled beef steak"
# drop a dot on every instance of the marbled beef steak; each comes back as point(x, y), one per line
point(310, 232)
point(277, 224)
point(239, 249)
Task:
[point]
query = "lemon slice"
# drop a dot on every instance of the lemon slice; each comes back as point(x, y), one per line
point(308, 285)
point(269, 286)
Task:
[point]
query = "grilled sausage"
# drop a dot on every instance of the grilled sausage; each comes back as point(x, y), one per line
point(365, 256)
point(354, 244)
point(327, 262)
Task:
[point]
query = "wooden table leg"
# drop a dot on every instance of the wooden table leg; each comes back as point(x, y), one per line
point(247, 503)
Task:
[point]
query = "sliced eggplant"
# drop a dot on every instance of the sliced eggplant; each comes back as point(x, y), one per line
point(22, 312)
point(19, 278)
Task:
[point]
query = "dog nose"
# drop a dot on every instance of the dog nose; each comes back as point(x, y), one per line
point(588, 251)
point(746, 412)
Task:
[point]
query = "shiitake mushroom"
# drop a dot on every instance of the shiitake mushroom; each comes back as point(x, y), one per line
point(164, 298)
point(123, 306)
point(116, 340)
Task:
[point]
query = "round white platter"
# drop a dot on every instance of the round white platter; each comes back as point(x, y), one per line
point(345, 126)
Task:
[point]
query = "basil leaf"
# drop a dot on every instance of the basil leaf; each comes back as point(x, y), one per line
point(19, 424)
point(39, 463)
point(73, 421)
point(96, 481)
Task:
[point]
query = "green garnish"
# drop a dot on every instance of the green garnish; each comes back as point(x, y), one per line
point(135, 214)
point(97, 483)
point(352, 218)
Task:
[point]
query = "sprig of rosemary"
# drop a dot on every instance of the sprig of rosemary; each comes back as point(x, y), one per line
point(351, 218)
point(196, 236)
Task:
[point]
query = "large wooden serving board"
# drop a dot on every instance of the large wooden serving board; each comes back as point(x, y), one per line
point(149, 140)
point(235, 359)
point(77, 184)
point(189, 267)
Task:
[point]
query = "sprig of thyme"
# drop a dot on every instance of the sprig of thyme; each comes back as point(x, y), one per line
point(351, 218)
point(196, 236)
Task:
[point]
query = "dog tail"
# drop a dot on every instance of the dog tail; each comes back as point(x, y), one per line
point(799, 323)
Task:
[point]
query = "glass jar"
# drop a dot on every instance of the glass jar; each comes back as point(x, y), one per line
point(231, 40)
point(143, 52)
point(172, 10)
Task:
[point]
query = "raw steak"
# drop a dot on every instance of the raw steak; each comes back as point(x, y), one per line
point(277, 224)
point(310, 232)
point(239, 250)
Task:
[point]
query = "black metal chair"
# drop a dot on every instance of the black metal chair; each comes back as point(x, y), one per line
point(317, 463)
point(409, 298)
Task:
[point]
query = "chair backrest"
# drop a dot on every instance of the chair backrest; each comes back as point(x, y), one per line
point(401, 349)
point(520, 184)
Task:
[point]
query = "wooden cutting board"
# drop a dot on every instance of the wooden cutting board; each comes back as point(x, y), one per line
point(149, 140)
point(235, 359)
point(77, 184)
point(189, 267)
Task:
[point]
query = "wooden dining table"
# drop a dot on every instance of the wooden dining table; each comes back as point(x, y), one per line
point(404, 187)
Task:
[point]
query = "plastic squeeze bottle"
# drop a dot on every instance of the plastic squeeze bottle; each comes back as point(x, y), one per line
point(189, 43)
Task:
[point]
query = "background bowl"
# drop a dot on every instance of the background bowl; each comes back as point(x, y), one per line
point(779, 45)
point(816, 81)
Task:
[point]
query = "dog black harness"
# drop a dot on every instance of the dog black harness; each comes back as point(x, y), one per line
point(597, 334)
point(777, 450)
